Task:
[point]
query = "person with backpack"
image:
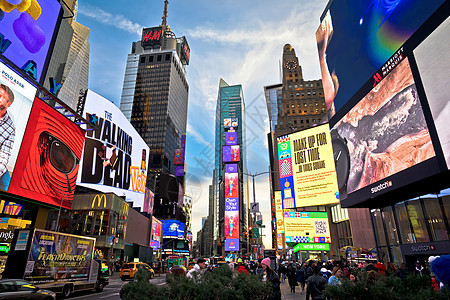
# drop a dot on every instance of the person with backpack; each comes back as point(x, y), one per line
point(301, 278)
point(316, 285)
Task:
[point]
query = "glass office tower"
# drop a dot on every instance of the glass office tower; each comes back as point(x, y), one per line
point(230, 104)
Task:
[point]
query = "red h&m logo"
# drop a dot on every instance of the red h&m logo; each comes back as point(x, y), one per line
point(377, 79)
point(152, 35)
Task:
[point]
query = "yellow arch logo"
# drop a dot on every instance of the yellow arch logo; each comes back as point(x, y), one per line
point(125, 209)
point(99, 199)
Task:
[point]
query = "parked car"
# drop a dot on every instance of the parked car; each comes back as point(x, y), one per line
point(21, 289)
point(129, 269)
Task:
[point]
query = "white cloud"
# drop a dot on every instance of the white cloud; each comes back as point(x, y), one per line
point(104, 17)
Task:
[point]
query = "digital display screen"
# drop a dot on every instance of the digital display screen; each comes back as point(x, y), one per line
point(231, 244)
point(231, 154)
point(384, 134)
point(115, 157)
point(306, 227)
point(307, 170)
point(370, 32)
point(27, 29)
point(48, 161)
point(173, 228)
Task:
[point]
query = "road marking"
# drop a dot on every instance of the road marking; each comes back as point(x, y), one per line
point(110, 295)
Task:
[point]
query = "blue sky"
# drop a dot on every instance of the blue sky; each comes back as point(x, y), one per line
point(239, 41)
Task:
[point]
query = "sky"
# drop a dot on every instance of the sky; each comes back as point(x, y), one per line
point(239, 41)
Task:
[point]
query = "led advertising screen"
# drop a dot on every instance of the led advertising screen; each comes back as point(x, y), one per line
point(231, 138)
point(27, 29)
point(433, 61)
point(152, 36)
point(17, 97)
point(370, 32)
point(155, 239)
point(306, 227)
point(115, 157)
point(231, 185)
point(232, 245)
point(231, 168)
point(231, 154)
point(307, 171)
point(384, 134)
point(48, 161)
point(178, 158)
point(149, 199)
point(173, 229)
point(279, 212)
point(185, 50)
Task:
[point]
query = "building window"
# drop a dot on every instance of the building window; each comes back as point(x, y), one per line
point(292, 95)
point(158, 58)
point(307, 85)
point(150, 58)
point(435, 219)
point(142, 59)
point(168, 57)
point(314, 93)
point(312, 84)
point(298, 94)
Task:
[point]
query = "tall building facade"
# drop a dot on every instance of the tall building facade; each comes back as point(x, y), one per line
point(69, 64)
point(230, 106)
point(155, 99)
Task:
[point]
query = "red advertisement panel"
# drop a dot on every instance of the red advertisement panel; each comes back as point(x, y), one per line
point(47, 165)
point(231, 185)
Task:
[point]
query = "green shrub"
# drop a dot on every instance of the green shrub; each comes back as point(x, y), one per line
point(221, 283)
point(389, 287)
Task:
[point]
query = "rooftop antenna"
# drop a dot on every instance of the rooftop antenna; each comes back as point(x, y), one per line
point(164, 17)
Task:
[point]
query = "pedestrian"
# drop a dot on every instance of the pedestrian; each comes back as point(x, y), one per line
point(241, 266)
point(259, 269)
point(316, 285)
point(301, 277)
point(283, 273)
point(403, 272)
point(272, 277)
point(292, 278)
point(391, 269)
point(421, 270)
point(336, 276)
point(197, 271)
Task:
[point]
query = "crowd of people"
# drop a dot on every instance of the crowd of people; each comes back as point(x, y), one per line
point(312, 277)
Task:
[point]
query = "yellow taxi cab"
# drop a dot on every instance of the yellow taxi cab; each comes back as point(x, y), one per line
point(129, 269)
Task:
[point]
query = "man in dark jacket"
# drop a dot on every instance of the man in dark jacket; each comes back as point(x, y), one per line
point(316, 285)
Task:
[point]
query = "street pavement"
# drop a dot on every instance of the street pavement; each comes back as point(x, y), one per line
point(111, 291)
point(286, 292)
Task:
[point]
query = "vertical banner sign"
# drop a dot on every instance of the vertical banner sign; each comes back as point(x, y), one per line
point(307, 168)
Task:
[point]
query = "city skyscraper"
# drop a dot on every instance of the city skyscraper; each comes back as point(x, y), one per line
point(69, 63)
point(230, 169)
point(155, 99)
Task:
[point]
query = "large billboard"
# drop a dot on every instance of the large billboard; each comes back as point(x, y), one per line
point(382, 135)
point(115, 157)
point(231, 154)
point(16, 96)
point(59, 257)
point(156, 234)
point(307, 171)
point(355, 38)
point(306, 227)
point(152, 36)
point(47, 165)
point(173, 229)
point(27, 30)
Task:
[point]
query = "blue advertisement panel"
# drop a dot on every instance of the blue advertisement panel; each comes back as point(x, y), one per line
point(62, 257)
point(355, 38)
point(173, 229)
point(26, 32)
point(232, 245)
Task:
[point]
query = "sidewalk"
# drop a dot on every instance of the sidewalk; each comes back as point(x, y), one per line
point(286, 292)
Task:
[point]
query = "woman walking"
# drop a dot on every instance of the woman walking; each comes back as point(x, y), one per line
point(272, 277)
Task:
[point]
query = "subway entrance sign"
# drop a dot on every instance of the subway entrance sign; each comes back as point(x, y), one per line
point(312, 247)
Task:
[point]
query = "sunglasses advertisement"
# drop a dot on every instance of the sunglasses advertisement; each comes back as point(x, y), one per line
point(48, 160)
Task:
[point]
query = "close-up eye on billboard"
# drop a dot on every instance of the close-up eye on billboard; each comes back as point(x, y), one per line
point(27, 30)
point(307, 170)
point(16, 99)
point(383, 134)
point(115, 157)
point(47, 165)
point(355, 38)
